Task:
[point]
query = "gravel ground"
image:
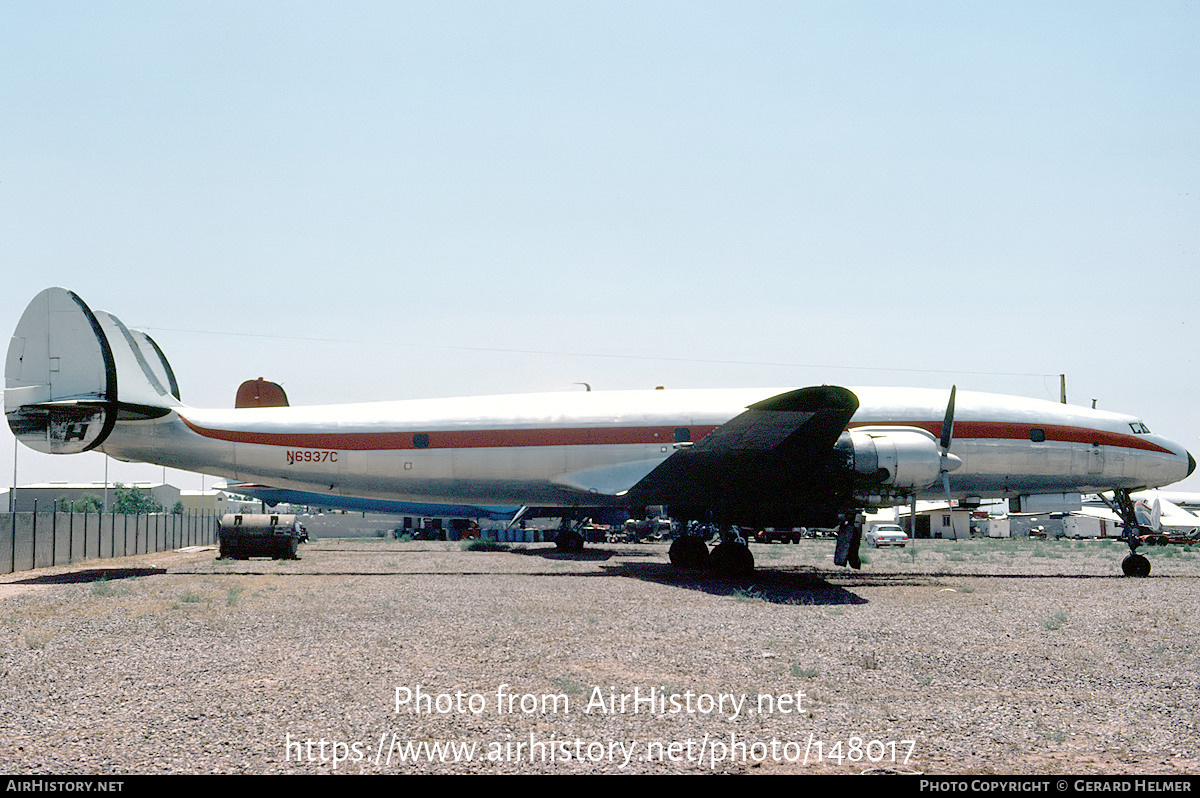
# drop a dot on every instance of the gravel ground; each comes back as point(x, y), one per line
point(977, 657)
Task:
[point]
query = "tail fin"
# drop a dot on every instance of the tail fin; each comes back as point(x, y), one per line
point(71, 374)
point(1149, 514)
point(260, 393)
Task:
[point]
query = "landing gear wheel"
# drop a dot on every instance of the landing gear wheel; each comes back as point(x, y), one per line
point(569, 541)
point(731, 559)
point(688, 552)
point(1135, 565)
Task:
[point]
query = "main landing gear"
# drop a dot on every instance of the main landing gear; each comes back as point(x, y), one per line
point(731, 558)
point(569, 538)
point(689, 551)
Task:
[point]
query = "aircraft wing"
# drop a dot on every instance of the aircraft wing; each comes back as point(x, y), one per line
point(771, 454)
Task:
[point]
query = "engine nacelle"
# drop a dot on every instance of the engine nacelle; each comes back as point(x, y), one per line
point(894, 459)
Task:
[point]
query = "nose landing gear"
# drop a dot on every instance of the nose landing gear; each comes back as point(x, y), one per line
point(1135, 564)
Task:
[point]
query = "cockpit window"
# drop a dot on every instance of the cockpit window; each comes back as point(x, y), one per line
point(1139, 428)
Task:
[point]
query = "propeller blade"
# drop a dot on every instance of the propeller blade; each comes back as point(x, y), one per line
point(948, 422)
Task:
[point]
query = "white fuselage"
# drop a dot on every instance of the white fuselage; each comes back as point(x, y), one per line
point(586, 448)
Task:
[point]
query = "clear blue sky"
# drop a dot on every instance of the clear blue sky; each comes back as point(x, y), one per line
point(383, 200)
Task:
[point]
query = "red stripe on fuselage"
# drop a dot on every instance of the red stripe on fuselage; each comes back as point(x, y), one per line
point(455, 439)
point(1017, 431)
point(608, 436)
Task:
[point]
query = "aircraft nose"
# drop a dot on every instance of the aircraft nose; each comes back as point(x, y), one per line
point(1191, 464)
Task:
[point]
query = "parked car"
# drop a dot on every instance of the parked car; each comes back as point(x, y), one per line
point(886, 535)
point(778, 535)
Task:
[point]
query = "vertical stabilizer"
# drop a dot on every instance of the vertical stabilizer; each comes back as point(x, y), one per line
point(60, 377)
point(158, 362)
point(145, 378)
point(72, 373)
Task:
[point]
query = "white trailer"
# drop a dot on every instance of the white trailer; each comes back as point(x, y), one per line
point(997, 527)
point(1088, 526)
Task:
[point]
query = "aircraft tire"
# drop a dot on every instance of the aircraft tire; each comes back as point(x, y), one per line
point(688, 552)
point(569, 542)
point(731, 560)
point(1135, 565)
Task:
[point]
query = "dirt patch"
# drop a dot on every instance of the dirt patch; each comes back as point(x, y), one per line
point(959, 658)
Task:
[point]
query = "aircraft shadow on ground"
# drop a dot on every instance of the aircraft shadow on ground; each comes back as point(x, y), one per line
point(589, 554)
point(772, 586)
point(89, 575)
point(776, 584)
point(776, 587)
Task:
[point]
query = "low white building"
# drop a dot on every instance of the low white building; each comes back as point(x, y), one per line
point(45, 495)
point(936, 520)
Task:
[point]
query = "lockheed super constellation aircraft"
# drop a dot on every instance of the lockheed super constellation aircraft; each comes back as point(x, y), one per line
point(79, 380)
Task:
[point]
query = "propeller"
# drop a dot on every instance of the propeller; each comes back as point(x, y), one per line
point(949, 461)
point(850, 534)
point(948, 422)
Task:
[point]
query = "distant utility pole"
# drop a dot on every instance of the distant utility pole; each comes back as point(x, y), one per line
point(1062, 388)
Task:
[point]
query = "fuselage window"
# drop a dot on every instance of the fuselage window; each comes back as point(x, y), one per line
point(1037, 435)
point(420, 440)
point(682, 434)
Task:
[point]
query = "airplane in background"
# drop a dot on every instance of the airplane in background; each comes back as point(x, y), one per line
point(78, 380)
point(1164, 517)
point(1157, 514)
point(1184, 501)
